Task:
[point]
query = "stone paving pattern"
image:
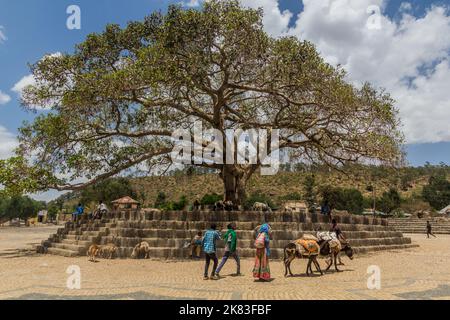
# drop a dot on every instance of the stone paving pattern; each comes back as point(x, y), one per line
point(416, 273)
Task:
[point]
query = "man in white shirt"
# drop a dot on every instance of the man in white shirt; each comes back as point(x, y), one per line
point(101, 210)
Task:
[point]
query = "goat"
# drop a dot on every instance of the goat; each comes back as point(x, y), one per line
point(261, 207)
point(142, 249)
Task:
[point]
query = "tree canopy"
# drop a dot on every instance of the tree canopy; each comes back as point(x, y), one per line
point(437, 192)
point(107, 191)
point(22, 207)
point(115, 101)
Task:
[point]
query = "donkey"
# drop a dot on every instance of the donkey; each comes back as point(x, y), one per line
point(291, 251)
point(333, 249)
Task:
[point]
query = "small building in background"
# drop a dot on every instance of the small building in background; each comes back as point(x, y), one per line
point(126, 203)
point(42, 216)
point(296, 206)
point(445, 211)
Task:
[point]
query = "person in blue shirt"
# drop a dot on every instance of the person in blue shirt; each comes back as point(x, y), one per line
point(79, 212)
point(209, 247)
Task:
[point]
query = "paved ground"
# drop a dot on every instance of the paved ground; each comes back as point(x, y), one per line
point(19, 239)
point(419, 273)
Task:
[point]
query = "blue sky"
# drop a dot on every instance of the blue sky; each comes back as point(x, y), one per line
point(34, 28)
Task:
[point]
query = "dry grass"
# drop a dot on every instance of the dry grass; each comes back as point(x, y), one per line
point(277, 186)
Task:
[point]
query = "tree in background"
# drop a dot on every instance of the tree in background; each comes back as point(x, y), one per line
point(437, 192)
point(161, 200)
point(19, 207)
point(52, 211)
point(310, 194)
point(210, 199)
point(116, 101)
point(107, 191)
point(389, 201)
point(350, 200)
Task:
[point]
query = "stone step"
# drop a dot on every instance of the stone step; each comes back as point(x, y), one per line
point(81, 237)
point(85, 243)
point(246, 243)
point(419, 220)
point(203, 225)
point(421, 231)
point(62, 252)
point(71, 247)
point(168, 232)
point(437, 224)
point(86, 233)
point(276, 253)
point(423, 225)
point(249, 216)
point(242, 234)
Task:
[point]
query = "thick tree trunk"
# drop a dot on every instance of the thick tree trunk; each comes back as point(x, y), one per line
point(234, 184)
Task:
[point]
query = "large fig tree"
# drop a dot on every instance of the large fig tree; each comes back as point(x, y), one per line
point(115, 101)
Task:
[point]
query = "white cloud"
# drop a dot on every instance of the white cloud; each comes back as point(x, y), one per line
point(408, 56)
point(8, 142)
point(29, 79)
point(275, 21)
point(191, 3)
point(4, 98)
point(47, 196)
point(23, 83)
point(405, 6)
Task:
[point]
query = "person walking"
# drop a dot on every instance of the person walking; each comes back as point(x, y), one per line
point(261, 269)
point(209, 247)
point(230, 238)
point(429, 230)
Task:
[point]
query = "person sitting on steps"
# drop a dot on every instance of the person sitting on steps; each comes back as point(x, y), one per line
point(102, 209)
point(196, 245)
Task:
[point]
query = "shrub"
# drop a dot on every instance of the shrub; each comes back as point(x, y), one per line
point(210, 199)
point(389, 201)
point(107, 191)
point(181, 204)
point(161, 200)
point(310, 195)
point(437, 192)
point(343, 199)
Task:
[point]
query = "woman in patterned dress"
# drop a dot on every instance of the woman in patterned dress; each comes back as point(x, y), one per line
point(261, 269)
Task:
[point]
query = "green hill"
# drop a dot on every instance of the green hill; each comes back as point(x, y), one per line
point(192, 184)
